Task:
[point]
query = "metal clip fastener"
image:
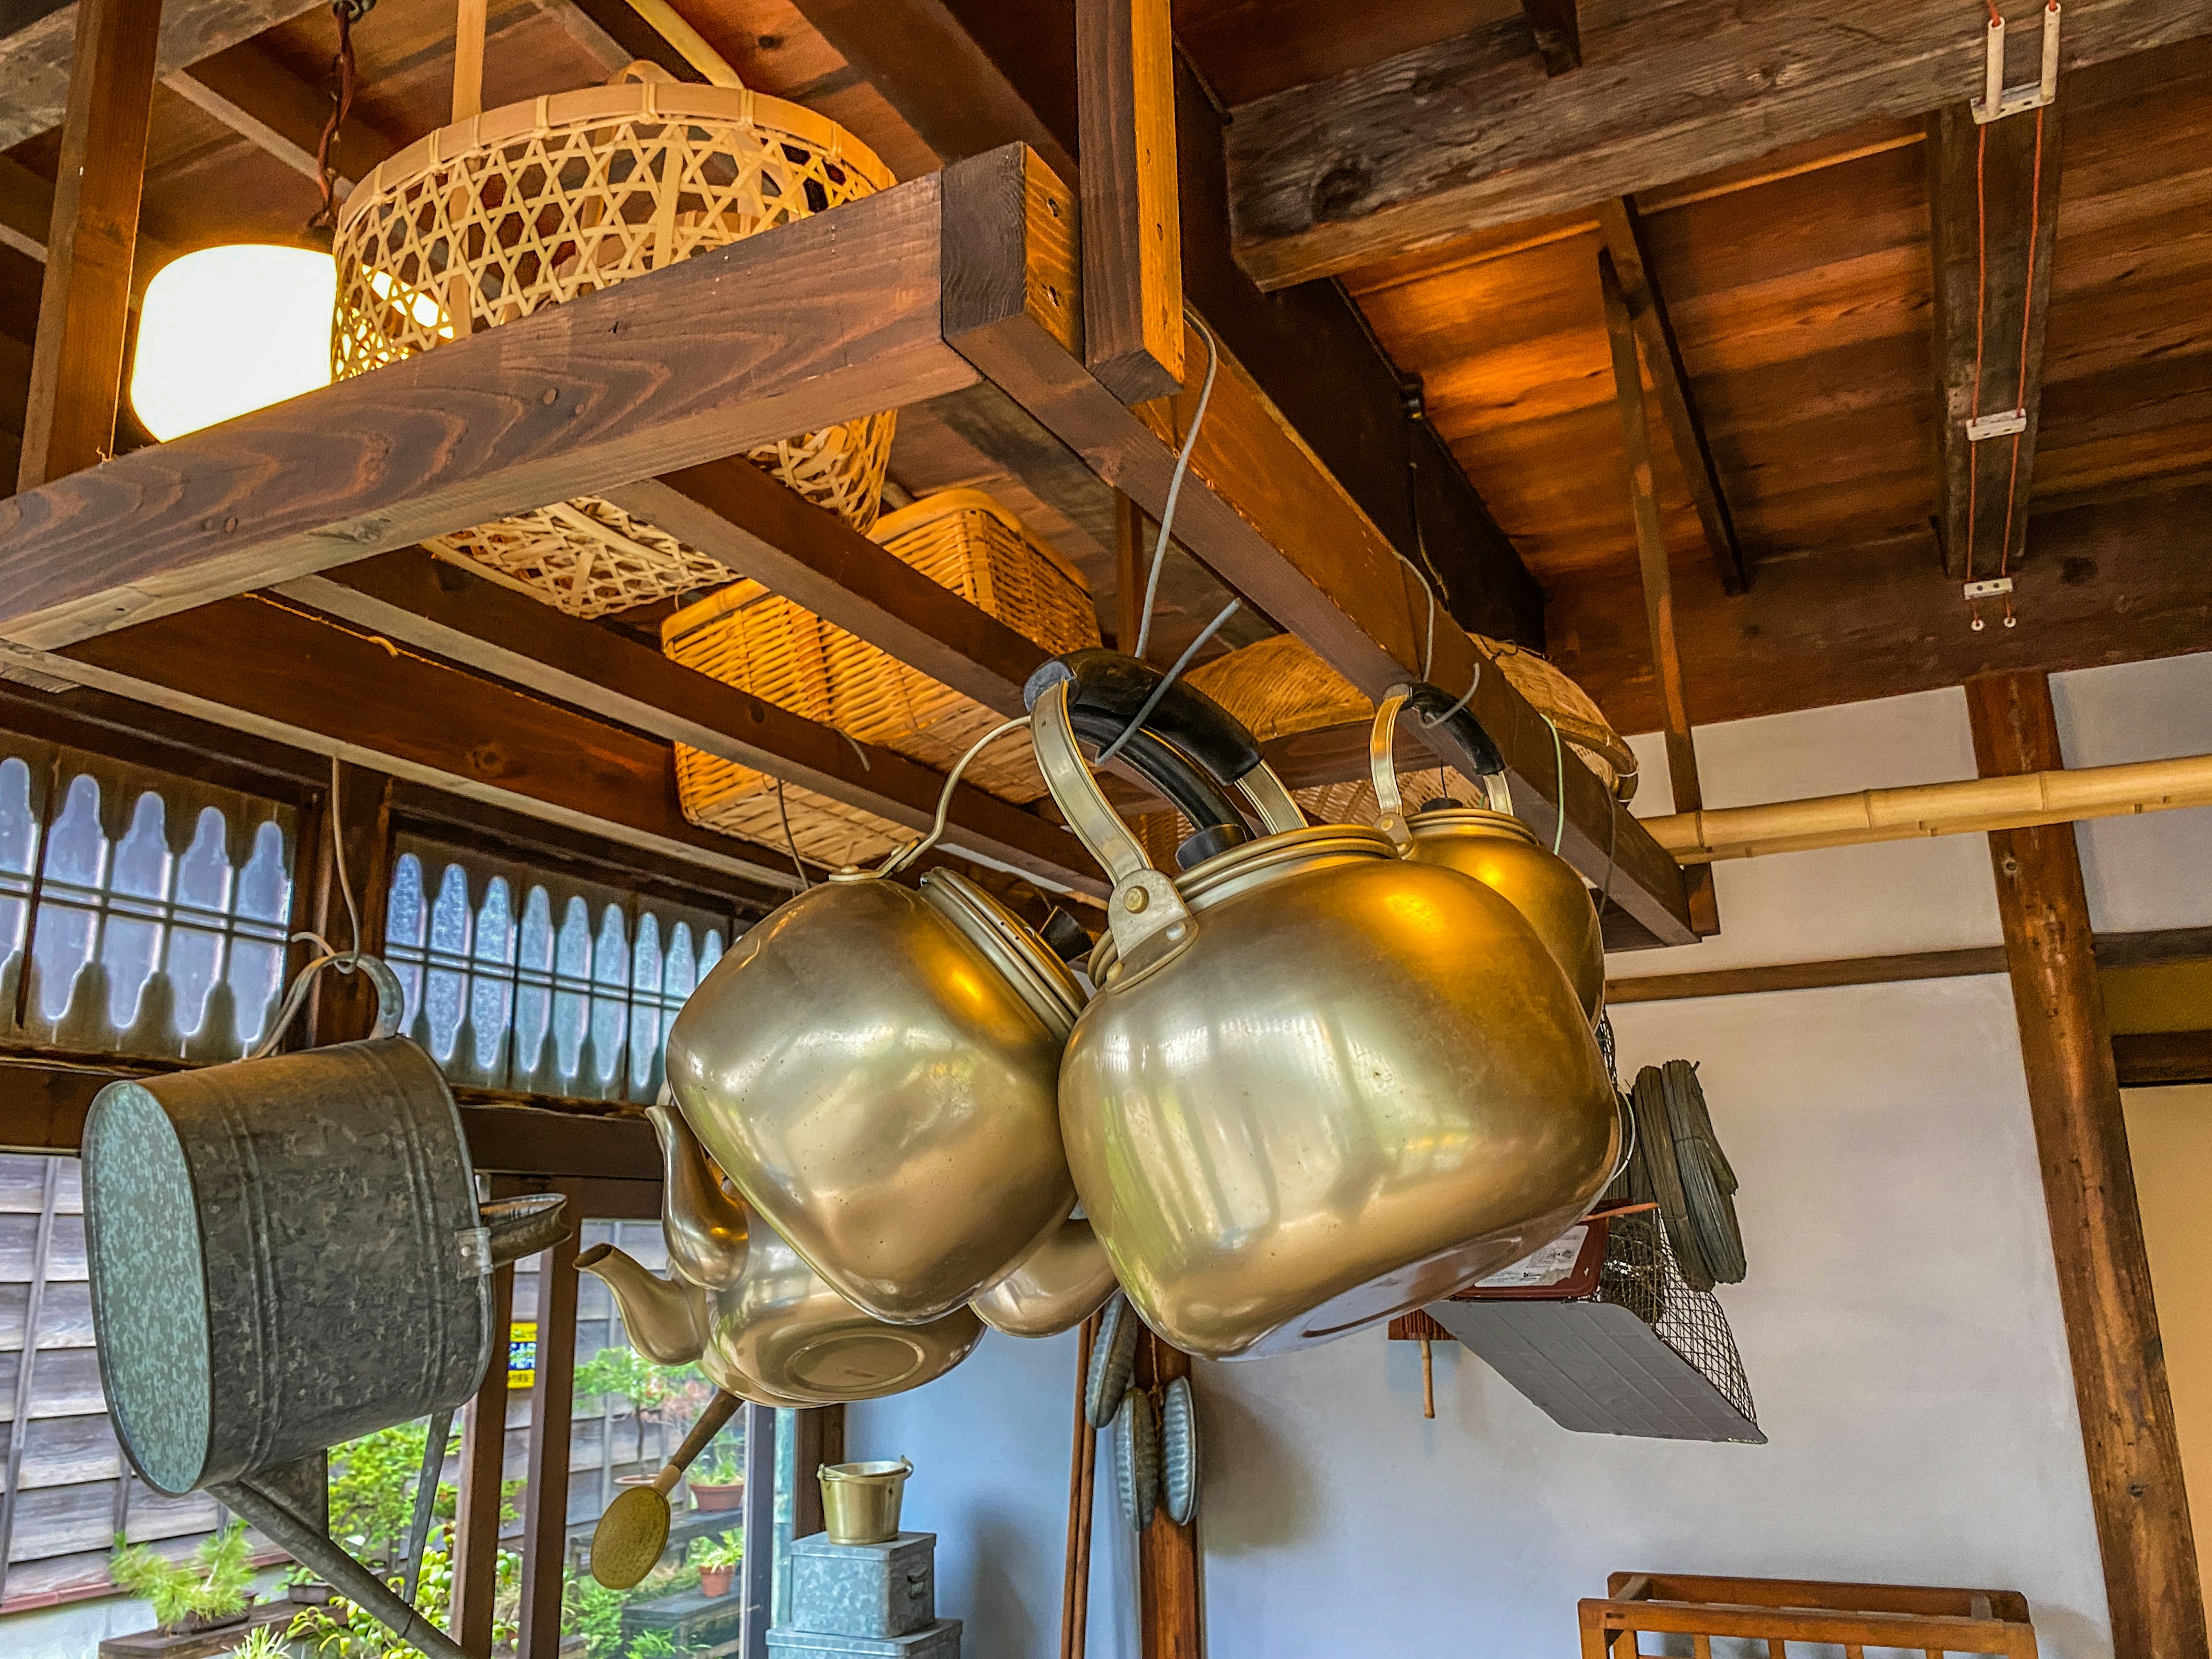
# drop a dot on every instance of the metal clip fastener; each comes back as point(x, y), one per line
point(1997, 99)
point(1994, 587)
point(2003, 424)
point(474, 1244)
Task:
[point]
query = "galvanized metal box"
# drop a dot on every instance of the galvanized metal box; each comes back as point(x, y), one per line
point(878, 1590)
point(939, 1641)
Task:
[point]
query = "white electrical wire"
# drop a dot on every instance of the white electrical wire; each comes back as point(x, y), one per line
point(1175, 484)
point(1145, 712)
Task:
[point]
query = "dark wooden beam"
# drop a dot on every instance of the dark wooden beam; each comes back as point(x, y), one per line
point(1963, 963)
point(27, 220)
point(2128, 1435)
point(1622, 229)
point(257, 97)
point(342, 1007)
point(2148, 1059)
point(1451, 138)
point(1557, 29)
point(545, 1499)
point(733, 512)
point(1688, 794)
point(84, 308)
point(435, 606)
point(1170, 1587)
point(639, 377)
point(1270, 522)
point(1131, 241)
point(269, 670)
point(484, 1470)
point(2112, 582)
point(1993, 212)
point(970, 76)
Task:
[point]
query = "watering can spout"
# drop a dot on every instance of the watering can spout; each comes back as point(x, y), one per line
point(705, 1228)
point(666, 1319)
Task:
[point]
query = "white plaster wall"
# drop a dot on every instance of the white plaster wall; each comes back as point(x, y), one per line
point(1900, 1323)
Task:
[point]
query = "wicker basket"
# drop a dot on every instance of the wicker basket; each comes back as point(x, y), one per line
point(750, 638)
point(563, 196)
point(1280, 686)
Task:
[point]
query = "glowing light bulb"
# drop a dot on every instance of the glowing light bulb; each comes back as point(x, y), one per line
point(229, 330)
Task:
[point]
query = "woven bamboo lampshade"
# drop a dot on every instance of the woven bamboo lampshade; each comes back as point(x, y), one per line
point(526, 206)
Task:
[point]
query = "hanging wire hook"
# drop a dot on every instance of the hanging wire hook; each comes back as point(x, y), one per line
point(906, 855)
point(1175, 483)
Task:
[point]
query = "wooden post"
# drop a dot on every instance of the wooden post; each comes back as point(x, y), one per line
point(545, 1502)
point(342, 1006)
point(1129, 574)
point(84, 308)
point(483, 1469)
point(819, 1438)
point(1132, 230)
point(2089, 1186)
point(1081, 1488)
point(1658, 579)
point(1171, 1596)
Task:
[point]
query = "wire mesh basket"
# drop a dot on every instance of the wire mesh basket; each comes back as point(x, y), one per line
point(532, 205)
point(762, 643)
point(1641, 1275)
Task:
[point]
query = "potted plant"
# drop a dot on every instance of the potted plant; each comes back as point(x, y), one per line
point(717, 1482)
point(208, 1592)
point(717, 1560)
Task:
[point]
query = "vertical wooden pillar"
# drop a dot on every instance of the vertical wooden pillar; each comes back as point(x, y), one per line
point(1132, 216)
point(819, 1438)
point(483, 1469)
point(1129, 573)
point(1172, 1597)
point(2088, 1187)
point(84, 308)
point(545, 1503)
point(1658, 582)
point(342, 1006)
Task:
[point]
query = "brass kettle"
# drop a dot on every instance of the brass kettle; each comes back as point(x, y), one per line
point(1318, 1083)
point(742, 1303)
point(1064, 1280)
point(1492, 846)
point(876, 1068)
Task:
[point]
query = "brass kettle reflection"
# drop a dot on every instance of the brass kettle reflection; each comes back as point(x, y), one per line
point(745, 1306)
point(1493, 846)
point(1063, 1282)
point(876, 1069)
point(1319, 1083)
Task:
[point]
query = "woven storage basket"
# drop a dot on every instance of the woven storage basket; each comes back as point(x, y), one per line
point(750, 638)
point(1278, 686)
point(550, 200)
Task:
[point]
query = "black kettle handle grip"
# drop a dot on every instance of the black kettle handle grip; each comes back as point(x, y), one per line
point(1430, 701)
point(1190, 748)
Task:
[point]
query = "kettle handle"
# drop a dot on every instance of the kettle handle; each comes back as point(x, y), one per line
point(1144, 903)
point(1381, 753)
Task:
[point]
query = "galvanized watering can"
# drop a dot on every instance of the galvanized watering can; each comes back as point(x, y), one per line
point(744, 1306)
point(285, 1253)
point(1319, 1083)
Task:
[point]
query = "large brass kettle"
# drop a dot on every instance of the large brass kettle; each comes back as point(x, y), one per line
point(1493, 846)
point(876, 1069)
point(1318, 1082)
point(741, 1303)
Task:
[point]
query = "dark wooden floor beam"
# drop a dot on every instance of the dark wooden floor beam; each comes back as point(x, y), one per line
point(2128, 1434)
point(1452, 138)
point(1993, 211)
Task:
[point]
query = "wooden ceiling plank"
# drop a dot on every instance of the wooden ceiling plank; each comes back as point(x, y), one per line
point(1623, 230)
point(1132, 243)
point(1993, 211)
point(1454, 136)
point(1557, 25)
point(84, 308)
point(973, 75)
point(435, 606)
point(258, 98)
point(840, 318)
point(1262, 511)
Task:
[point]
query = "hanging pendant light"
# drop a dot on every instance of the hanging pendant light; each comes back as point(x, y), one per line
point(226, 331)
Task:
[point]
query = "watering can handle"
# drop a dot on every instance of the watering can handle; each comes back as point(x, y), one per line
point(391, 997)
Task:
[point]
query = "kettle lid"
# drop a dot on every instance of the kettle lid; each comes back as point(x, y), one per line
point(1012, 946)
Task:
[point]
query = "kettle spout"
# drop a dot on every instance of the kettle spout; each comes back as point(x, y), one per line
point(666, 1319)
point(705, 1229)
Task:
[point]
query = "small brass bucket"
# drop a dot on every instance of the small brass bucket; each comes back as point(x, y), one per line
point(860, 1501)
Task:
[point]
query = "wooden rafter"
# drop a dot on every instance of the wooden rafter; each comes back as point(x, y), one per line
point(436, 607)
point(1623, 231)
point(261, 100)
point(26, 217)
point(1132, 245)
point(1451, 138)
point(1259, 511)
point(1993, 211)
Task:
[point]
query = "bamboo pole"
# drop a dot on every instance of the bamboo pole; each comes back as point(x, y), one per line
point(1972, 806)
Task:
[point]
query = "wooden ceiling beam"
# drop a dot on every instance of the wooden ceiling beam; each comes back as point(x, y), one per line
point(1622, 227)
point(662, 372)
point(26, 218)
point(1450, 138)
point(1993, 212)
point(1132, 245)
point(1557, 25)
point(261, 100)
point(435, 606)
point(970, 76)
point(1260, 512)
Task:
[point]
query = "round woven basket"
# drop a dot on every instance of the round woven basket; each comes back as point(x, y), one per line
point(528, 205)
